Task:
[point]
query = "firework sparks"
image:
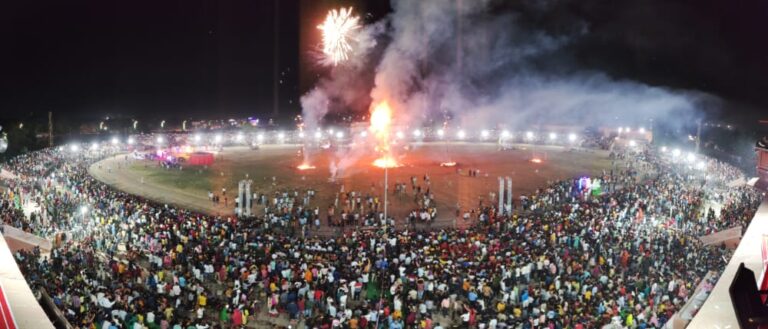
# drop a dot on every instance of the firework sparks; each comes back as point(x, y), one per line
point(338, 30)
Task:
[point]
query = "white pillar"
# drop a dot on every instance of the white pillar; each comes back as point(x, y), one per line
point(239, 200)
point(248, 197)
point(509, 193)
point(501, 196)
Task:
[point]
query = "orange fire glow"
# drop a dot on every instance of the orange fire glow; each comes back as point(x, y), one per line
point(536, 160)
point(381, 125)
point(386, 162)
point(305, 166)
point(448, 164)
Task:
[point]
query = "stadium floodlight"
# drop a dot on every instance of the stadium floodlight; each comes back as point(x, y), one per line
point(529, 134)
point(363, 134)
point(318, 135)
point(340, 134)
point(552, 136)
point(240, 137)
point(676, 153)
point(505, 134)
point(94, 146)
point(130, 141)
point(74, 147)
point(691, 157)
point(461, 134)
point(632, 143)
point(198, 138)
point(400, 135)
point(61, 148)
point(217, 138)
point(642, 130)
point(83, 210)
point(571, 137)
point(440, 133)
point(628, 129)
point(701, 165)
point(484, 134)
point(301, 134)
point(160, 139)
point(417, 133)
point(621, 130)
point(260, 137)
point(115, 141)
point(281, 135)
point(663, 149)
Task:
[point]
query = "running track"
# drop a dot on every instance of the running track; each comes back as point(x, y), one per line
point(6, 317)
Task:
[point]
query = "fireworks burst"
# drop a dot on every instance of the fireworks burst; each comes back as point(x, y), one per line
point(338, 30)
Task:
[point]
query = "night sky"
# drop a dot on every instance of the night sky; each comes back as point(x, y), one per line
point(205, 58)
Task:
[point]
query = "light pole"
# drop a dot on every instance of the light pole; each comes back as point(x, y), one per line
point(386, 192)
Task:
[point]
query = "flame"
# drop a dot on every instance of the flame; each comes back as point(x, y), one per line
point(536, 160)
point(305, 166)
point(448, 164)
point(386, 162)
point(381, 125)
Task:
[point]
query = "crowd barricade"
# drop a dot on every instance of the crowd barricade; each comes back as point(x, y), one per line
point(45, 245)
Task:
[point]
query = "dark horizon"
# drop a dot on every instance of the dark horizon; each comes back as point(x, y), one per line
point(86, 60)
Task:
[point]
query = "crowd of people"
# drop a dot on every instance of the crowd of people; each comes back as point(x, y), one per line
point(566, 258)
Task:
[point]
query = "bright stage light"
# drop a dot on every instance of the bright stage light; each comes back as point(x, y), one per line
point(552, 136)
point(676, 153)
point(461, 134)
point(115, 141)
point(571, 137)
point(417, 133)
point(529, 134)
point(484, 134)
point(440, 133)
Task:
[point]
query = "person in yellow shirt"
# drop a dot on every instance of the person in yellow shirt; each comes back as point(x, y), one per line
point(202, 300)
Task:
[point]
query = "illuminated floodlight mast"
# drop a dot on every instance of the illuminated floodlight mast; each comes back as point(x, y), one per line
point(339, 28)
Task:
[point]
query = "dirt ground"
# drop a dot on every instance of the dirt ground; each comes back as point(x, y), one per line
point(273, 168)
